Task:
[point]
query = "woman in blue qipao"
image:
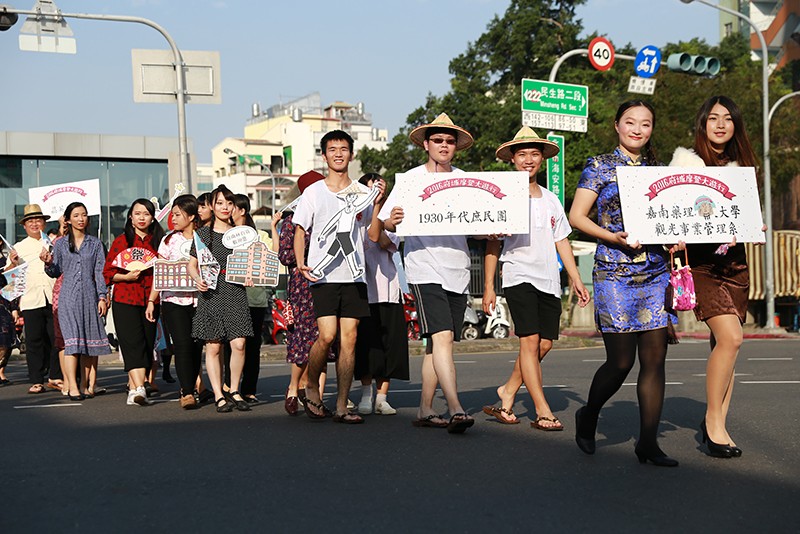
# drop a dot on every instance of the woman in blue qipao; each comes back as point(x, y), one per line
point(630, 282)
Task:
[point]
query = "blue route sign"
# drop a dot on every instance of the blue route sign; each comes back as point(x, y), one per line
point(647, 61)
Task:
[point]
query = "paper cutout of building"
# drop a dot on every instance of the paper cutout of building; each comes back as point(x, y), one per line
point(172, 276)
point(256, 263)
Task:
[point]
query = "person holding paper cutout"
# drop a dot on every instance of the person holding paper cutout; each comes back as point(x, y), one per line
point(136, 334)
point(178, 307)
point(337, 284)
point(437, 268)
point(222, 313)
point(630, 284)
point(721, 277)
point(36, 305)
point(531, 281)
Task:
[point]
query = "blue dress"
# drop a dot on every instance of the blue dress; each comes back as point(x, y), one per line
point(83, 286)
point(629, 286)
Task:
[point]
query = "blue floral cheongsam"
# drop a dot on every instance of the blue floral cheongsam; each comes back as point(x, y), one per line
point(629, 286)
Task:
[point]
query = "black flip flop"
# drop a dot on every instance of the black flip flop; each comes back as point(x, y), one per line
point(459, 423)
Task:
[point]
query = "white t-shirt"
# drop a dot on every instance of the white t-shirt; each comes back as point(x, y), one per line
point(383, 283)
point(442, 260)
point(315, 213)
point(532, 257)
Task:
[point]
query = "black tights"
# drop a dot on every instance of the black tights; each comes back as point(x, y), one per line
point(620, 357)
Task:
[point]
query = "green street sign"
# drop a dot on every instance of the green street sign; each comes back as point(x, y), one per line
point(555, 106)
point(555, 168)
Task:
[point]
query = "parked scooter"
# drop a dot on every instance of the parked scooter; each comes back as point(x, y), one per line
point(497, 323)
point(474, 324)
point(275, 329)
point(412, 319)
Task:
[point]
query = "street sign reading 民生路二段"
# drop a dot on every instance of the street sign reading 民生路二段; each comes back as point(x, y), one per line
point(555, 106)
point(664, 205)
point(461, 203)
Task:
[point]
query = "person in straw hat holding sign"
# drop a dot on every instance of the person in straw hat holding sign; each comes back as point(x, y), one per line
point(36, 304)
point(437, 268)
point(531, 281)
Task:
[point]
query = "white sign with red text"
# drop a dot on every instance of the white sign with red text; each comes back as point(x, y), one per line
point(664, 205)
point(55, 198)
point(463, 203)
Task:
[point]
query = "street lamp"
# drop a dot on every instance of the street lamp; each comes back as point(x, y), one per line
point(248, 159)
point(769, 271)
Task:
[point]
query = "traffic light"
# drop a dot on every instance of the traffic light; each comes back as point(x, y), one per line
point(689, 64)
point(6, 19)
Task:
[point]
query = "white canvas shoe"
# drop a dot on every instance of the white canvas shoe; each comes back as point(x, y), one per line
point(140, 396)
point(365, 406)
point(384, 408)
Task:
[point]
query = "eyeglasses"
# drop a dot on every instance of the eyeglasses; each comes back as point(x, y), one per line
point(440, 140)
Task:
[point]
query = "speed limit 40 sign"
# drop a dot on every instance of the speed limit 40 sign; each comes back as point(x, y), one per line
point(601, 53)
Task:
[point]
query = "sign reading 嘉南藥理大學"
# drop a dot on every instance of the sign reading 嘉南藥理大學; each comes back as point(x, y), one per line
point(555, 106)
point(664, 205)
point(462, 203)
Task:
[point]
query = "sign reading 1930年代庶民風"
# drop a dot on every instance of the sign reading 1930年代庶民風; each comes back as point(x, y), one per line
point(662, 205)
point(462, 203)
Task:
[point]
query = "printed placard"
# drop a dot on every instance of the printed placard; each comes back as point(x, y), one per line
point(461, 203)
point(256, 263)
point(135, 259)
point(239, 237)
point(16, 284)
point(207, 264)
point(662, 205)
point(172, 276)
point(54, 199)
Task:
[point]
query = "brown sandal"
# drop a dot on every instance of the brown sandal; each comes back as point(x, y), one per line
point(557, 428)
point(497, 413)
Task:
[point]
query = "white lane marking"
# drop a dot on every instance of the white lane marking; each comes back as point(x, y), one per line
point(665, 383)
point(465, 361)
point(48, 406)
point(769, 381)
point(687, 359)
point(593, 361)
point(770, 359)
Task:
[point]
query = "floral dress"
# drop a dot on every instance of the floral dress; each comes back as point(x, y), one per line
point(305, 330)
point(629, 286)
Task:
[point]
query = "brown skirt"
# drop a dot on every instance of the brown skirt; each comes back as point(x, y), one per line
point(721, 291)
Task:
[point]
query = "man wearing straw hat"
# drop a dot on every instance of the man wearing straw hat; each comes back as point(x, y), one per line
point(437, 268)
point(36, 304)
point(531, 281)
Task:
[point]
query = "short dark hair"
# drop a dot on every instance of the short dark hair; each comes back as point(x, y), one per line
point(433, 130)
point(515, 148)
point(336, 135)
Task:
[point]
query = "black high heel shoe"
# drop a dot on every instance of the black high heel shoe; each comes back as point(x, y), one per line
point(736, 452)
point(241, 404)
point(658, 458)
point(587, 445)
point(716, 450)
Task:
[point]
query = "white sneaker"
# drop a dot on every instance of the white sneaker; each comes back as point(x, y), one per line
point(140, 396)
point(384, 408)
point(365, 406)
point(131, 395)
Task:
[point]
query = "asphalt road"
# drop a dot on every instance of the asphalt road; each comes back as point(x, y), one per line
point(102, 465)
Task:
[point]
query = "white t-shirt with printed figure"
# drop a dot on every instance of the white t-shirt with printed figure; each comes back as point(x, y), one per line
point(442, 260)
point(532, 257)
point(337, 223)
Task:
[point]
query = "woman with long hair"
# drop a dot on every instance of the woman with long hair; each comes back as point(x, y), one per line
point(204, 209)
point(720, 271)
point(222, 313)
point(630, 282)
point(130, 294)
point(178, 307)
point(257, 301)
point(82, 301)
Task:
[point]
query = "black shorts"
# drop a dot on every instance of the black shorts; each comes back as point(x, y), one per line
point(439, 310)
point(340, 300)
point(533, 311)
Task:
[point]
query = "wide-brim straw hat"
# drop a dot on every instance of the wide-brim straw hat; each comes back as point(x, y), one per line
point(33, 211)
point(526, 136)
point(464, 139)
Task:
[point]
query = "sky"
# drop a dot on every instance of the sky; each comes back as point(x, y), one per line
point(388, 54)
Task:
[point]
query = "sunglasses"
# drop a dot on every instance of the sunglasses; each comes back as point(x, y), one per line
point(440, 140)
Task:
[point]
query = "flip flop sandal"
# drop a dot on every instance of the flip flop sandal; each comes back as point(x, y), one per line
point(348, 419)
point(497, 413)
point(428, 422)
point(36, 389)
point(311, 414)
point(537, 425)
point(459, 423)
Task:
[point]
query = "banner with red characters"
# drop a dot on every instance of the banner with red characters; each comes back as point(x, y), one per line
point(463, 203)
point(662, 205)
